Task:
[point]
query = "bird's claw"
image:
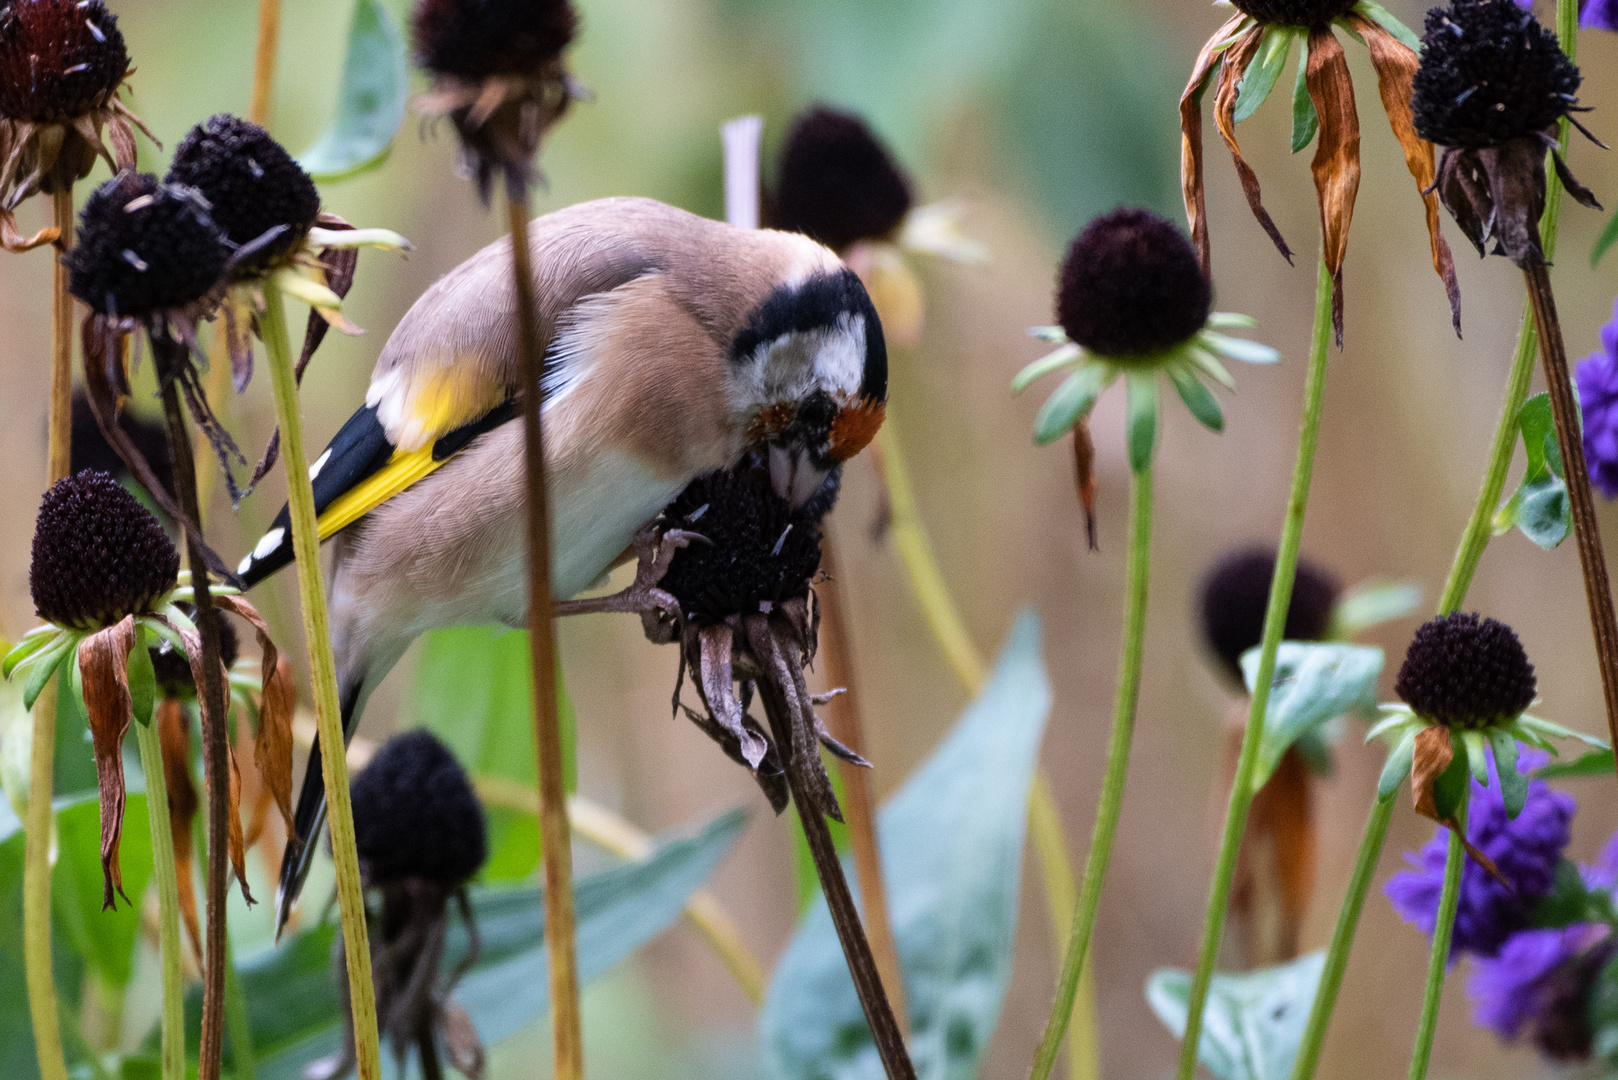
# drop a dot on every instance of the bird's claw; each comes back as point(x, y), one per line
point(654, 551)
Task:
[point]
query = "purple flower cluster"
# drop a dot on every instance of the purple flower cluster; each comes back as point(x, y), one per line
point(1539, 983)
point(1597, 377)
point(1593, 14)
point(1525, 851)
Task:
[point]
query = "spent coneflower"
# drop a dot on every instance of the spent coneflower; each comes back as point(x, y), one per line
point(90, 449)
point(1250, 52)
point(1235, 596)
point(62, 63)
point(421, 837)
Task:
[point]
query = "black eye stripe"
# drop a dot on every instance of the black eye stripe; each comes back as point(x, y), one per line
point(815, 304)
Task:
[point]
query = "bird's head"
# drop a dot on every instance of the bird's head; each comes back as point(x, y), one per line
point(809, 373)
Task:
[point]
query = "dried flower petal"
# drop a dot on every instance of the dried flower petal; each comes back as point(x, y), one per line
point(1336, 165)
point(1231, 72)
point(1191, 183)
point(103, 667)
point(174, 733)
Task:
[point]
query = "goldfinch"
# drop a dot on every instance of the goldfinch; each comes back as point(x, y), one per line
point(675, 345)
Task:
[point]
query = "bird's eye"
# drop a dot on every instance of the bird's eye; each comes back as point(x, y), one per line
point(853, 428)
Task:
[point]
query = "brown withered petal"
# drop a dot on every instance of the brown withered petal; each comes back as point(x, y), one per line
point(1433, 755)
point(272, 749)
point(1191, 183)
point(14, 241)
point(1231, 72)
point(1084, 460)
point(1336, 165)
point(1497, 193)
point(1395, 65)
point(103, 667)
point(1275, 872)
point(174, 733)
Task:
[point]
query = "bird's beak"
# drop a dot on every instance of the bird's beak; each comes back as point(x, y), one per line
point(792, 475)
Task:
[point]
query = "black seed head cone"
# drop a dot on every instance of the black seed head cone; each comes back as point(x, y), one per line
point(1466, 672)
point(59, 59)
point(99, 555)
point(166, 253)
point(174, 670)
point(252, 184)
point(759, 550)
point(1294, 12)
point(837, 182)
point(474, 39)
point(415, 815)
point(1131, 285)
point(1236, 593)
point(1489, 73)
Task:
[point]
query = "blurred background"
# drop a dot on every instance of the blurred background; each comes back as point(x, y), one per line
point(1039, 114)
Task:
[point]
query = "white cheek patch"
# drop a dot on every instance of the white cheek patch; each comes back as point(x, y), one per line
point(793, 366)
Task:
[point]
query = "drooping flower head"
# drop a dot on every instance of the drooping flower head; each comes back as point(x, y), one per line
point(1249, 52)
point(61, 64)
point(1236, 594)
point(1540, 984)
point(1597, 377)
point(1492, 84)
point(1133, 300)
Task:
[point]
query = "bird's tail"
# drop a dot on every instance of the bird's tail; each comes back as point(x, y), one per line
point(308, 821)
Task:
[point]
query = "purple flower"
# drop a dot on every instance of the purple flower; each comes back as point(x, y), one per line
point(1598, 374)
point(1541, 981)
point(1599, 15)
point(1526, 852)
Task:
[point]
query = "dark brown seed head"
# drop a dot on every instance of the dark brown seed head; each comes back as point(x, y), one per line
point(144, 247)
point(252, 184)
point(837, 182)
point(475, 39)
point(99, 555)
point(59, 59)
point(415, 814)
point(1489, 74)
point(1131, 285)
point(1465, 672)
point(1236, 593)
point(1295, 12)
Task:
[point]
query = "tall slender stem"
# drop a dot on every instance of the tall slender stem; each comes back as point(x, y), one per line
point(323, 675)
point(859, 808)
point(269, 34)
point(238, 1024)
point(167, 355)
point(1275, 620)
point(555, 841)
point(36, 887)
point(168, 899)
point(1438, 960)
point(1468, 553)
point(1061, 897)
point(1112, 787)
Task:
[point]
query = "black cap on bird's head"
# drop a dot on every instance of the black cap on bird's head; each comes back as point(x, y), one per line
point(812, 365)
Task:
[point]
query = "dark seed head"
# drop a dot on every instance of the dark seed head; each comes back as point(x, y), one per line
point(474, 39)
point(99, 555)
point(252, 184)
point(1466, 672)
point(1489, 73)
point(759, 551)
point(1236, 593)
point(1294, 12)
point(415, 815)
point(1131, 285)
point(92, 451)
point(59, 59)
point(144, 247)
point(837, 182)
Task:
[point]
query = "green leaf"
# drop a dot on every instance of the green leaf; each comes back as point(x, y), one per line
point(1592, 763)
point(1608, 237)
point(370, 99)
point(293, 1004)
point(952, 841)
point(1385, 19)
point(1314, 682)
point(1372, 603)
point(1072, 401)
point(1513, 784)
point(1540, 507)
point(1305, 121)
point(1140, 419)
point(1569, 901)
point(474, 690)
point(43, 664)
point(106, 939)
point(1544, 514)
point(1253, 1022)
point(1068, 355)
point(1477, 758)
point(1235, 348)
point(142, 679)
point(1197, 397)
point(1538, 426)
point(1397, 766)
point(1264, 70)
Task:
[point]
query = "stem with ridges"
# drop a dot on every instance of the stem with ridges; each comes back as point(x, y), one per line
point(1112, 787)
point(555, 841)
point(323, 675)
point(168, 899)
point(1275, 619)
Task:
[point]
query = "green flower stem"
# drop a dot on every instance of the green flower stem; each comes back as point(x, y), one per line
point(238, 1025)
point(1479, 530)
point(168, 898)
point(1112, 788)
point(1275, 619)
point(36, 891)
point(1438, 960)
point(323, 674)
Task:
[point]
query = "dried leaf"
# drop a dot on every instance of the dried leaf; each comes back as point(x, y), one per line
point(14, 241)
point(235, 841)
point(174, 733)
point(339, 265)
point(1191, 185)
point(1237, 58)
point(272, 749)
point(1433, 755)
point(1084, 458)
point(1395, 65)
point(1336, 165)
point(103, 661)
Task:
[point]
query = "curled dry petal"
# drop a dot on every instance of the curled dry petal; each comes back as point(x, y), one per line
point(1191, 185)
point(1433, 755)
point(1275, 872)
point(1336, 165)
point(461, 1043)
point(1084, 460)
point(1237, 59)
point(14, 241)
point(103, 666)
point(174, 733)
point(1395, 64)
point(272, 749)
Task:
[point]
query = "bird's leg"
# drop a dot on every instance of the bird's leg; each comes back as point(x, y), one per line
point(654, 551)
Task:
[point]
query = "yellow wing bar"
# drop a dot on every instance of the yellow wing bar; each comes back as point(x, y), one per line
point(403, 469)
